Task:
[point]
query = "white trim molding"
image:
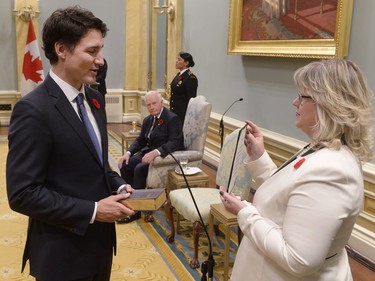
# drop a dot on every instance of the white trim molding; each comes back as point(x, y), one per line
point(8, 99)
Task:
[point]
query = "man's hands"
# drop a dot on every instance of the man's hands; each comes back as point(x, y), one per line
point(127, 189)
point(110, 210)
point(150, 156)
point(147, 158)
point(123, 158)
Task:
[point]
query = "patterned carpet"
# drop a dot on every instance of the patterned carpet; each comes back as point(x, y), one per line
point(142, 252)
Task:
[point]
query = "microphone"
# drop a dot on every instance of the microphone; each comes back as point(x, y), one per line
point(221, 128)
point(208, 265)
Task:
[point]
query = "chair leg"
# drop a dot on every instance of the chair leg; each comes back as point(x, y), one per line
point(216, 228)
point(168, 208)
point(194, 263)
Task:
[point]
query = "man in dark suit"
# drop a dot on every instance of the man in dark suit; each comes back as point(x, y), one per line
point(57, 172)
point(161, 127)
point(101, 75)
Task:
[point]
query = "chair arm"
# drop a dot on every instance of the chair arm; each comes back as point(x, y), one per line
point(158, 169)
point(192, 156)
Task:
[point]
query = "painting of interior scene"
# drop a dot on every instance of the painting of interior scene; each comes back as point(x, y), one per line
point(288, 19)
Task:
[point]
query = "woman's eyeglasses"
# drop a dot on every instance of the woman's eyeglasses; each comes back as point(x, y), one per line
point(302, 97)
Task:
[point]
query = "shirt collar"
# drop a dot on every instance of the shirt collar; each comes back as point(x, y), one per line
point(182, 71)
point(69, 91)
point(161, 111)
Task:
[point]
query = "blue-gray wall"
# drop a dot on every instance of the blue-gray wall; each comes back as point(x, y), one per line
point(113, 14)
point(8, 56)
point(265, 83)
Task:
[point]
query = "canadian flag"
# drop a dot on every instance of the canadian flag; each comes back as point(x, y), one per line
point(32, 71)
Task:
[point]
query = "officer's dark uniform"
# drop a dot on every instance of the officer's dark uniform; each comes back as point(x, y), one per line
point(183, 88)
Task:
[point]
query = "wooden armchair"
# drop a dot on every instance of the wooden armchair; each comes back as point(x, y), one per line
point(181, 201)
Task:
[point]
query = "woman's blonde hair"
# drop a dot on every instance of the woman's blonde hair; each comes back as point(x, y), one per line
point(343, 102)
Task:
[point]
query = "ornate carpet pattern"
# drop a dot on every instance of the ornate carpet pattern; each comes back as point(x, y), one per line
point(142, 252)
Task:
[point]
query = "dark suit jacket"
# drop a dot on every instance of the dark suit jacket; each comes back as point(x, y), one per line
point(54, 176)
point(168, 131)
point(182, 90)
point(100, 78)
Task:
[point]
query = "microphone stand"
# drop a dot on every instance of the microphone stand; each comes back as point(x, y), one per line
point(208, 265)
point(221, 132)
point(221, 125)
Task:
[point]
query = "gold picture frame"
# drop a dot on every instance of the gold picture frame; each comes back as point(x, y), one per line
point(243, 40)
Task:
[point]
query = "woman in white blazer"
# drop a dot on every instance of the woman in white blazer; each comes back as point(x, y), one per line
point(303, 213)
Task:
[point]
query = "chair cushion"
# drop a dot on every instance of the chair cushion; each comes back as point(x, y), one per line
point(192, 155)
point(181, 200)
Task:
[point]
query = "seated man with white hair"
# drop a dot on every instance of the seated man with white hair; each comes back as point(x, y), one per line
point(161, 127)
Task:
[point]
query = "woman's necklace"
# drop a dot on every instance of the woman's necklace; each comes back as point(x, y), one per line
point(308, 149)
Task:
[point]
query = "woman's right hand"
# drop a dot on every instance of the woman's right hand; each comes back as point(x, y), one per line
point(231, 202)
point(253, 141)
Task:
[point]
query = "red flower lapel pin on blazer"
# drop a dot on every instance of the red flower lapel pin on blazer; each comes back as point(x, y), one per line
point(299, 163)
point(96, 103)
point(161, 121)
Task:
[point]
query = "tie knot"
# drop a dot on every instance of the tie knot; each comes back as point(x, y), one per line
point(80, 98)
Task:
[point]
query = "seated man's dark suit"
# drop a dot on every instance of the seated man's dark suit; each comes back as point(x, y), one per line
point(166, 131)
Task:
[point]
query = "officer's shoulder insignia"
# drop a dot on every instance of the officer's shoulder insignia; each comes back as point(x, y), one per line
point(191, 74)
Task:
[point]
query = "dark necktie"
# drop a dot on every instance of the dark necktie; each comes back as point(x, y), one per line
point(152, 126)
point(89, 128)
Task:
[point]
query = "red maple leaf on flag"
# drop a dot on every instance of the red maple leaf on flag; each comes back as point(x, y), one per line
point(30, 68)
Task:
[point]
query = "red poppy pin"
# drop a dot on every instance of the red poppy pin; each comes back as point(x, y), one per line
point(299, 163)
point(161, 121)
point(96, 103)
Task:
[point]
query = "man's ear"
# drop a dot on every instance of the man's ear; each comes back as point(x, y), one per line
point(61, 50)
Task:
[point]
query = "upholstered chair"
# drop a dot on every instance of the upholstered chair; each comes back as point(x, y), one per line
point(181, 201)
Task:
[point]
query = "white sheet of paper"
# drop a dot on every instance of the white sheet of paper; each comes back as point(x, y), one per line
point(237, 160)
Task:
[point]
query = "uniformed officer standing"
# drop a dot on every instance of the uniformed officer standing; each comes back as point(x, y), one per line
point(183, 86)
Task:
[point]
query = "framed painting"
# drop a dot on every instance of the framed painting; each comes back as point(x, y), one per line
point(290, 28)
